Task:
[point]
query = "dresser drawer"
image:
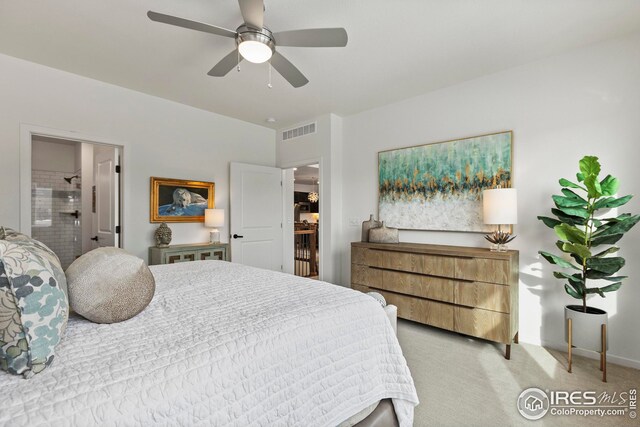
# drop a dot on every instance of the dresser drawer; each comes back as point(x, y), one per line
point(401, 261)
point(482, 295)
point(359, 255)
point(442, 266)
point(435, 265)
point(480, 323)
point(482, 270)
point(435, 288)
point(421, 310)
point(363, 275)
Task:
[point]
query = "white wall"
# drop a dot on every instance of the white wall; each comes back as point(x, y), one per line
point(86, 154)
point(161, 138)
point(78, 159)
point(322, 147)
point(560, 109)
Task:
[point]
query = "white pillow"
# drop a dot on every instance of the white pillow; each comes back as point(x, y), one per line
point(109, 285)
point(378, 297)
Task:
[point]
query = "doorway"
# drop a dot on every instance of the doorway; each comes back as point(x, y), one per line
point(75, 195)
point(306, 220)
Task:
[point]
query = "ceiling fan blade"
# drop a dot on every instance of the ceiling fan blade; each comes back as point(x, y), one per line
point(225, 65)
point(314, 37)
point(288, 70)
point(252, 13)
point(192, 25)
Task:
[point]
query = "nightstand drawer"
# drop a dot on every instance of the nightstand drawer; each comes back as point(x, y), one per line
point(176, 257)
point(185, 253)
point(219, 254)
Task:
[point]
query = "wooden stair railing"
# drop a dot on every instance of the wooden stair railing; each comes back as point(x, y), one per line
point(305, 253)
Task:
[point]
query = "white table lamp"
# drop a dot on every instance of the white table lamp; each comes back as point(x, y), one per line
point(500, 207)
point(214, 218)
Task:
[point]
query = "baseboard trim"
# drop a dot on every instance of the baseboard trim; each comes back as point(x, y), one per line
point(611, 358)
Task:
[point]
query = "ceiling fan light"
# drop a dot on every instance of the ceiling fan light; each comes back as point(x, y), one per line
point(255, 51)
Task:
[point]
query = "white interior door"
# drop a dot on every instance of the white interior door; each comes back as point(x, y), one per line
point(105, 217)
point(256, 216)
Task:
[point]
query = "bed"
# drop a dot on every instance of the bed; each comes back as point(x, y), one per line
point(222, 344)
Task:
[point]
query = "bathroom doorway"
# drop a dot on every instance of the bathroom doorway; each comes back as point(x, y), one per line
point(75, 195)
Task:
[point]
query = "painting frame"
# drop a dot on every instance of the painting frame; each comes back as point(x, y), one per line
point(158, 199)
point(473, 224)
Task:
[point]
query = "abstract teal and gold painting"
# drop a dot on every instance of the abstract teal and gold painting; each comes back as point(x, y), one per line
point(439, 186)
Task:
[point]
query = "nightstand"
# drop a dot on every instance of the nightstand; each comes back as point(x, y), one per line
point(192, 252)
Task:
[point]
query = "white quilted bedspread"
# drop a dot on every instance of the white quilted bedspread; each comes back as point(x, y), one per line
point(221, 344)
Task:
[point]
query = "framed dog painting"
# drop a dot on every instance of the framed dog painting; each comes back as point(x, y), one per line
point(179, 200)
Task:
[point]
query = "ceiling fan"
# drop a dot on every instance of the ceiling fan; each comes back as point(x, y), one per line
point(257, 44)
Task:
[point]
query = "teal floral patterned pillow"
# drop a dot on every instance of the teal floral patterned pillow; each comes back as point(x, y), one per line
point(33, 305)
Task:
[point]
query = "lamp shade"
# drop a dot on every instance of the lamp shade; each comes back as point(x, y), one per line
point(214, 218)
point(500, 206)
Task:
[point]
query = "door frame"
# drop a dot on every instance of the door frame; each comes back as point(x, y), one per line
point(27, 132)
point(288, 238)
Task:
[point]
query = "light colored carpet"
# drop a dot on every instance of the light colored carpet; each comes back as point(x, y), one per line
point(467, 382)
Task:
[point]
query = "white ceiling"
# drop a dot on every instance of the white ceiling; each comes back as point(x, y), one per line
point(397, 49)
point(307, 174)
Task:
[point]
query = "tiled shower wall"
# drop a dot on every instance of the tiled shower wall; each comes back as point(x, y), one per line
point(53, 201)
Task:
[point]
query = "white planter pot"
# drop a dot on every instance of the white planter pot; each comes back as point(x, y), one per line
point(586, 327)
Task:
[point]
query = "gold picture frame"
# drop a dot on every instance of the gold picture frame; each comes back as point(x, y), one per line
point(180, 200)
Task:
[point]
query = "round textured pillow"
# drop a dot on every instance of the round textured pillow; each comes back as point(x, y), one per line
point(109, 285)
point(378, 297)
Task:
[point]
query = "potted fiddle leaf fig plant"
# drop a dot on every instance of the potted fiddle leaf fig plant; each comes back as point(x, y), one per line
point(583, 223)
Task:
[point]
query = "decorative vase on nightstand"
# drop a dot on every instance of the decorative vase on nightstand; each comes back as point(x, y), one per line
point(163, 235)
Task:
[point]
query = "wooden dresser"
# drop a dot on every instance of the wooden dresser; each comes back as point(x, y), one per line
point(191, 252)
point(469, 290)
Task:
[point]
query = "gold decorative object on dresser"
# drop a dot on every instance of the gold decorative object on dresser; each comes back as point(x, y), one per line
point(193, 252)
point(469, 290)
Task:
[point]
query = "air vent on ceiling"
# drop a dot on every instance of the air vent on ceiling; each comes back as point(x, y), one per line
point(299, 131)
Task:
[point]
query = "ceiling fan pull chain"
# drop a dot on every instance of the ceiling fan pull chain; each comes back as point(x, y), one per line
point(238, 66)
point(269, 85)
